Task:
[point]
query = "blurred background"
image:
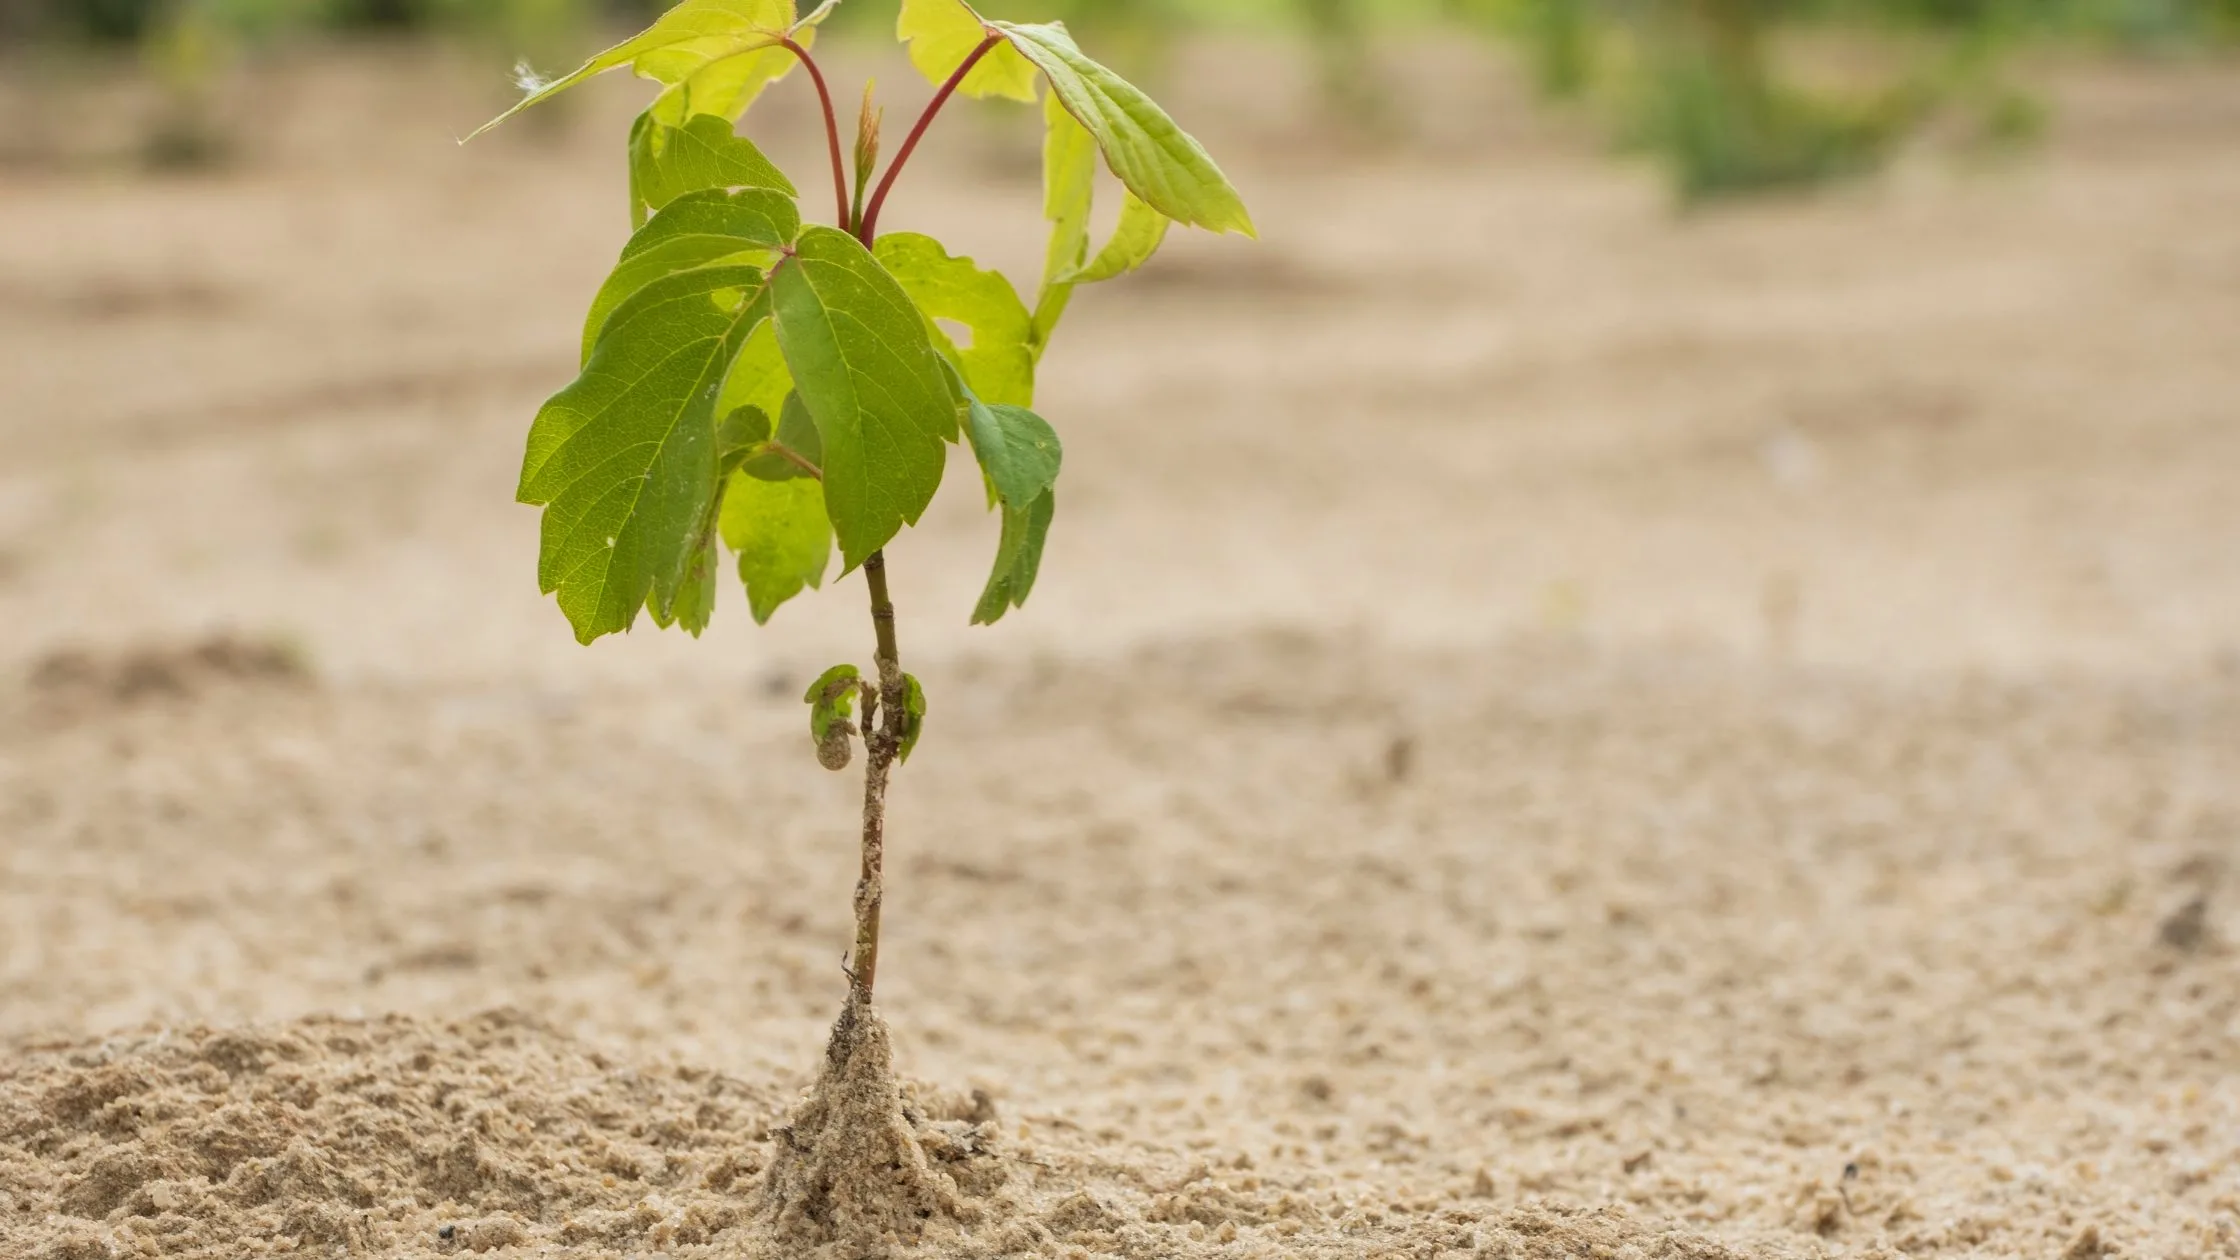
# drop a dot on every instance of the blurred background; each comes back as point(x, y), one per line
point(1672, 626)
point(1605, 249)
point(1732, 95)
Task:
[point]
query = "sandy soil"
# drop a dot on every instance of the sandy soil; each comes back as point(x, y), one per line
point(1547, 730)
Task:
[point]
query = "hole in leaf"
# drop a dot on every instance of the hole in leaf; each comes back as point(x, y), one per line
point(959, 334)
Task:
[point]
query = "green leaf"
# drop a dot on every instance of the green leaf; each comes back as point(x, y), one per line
point(863, 364)
point(758, 378)
point(1018, 450)
point(625, 460)
point(999, 362)
point(1069, 185)
point(667, 162)
point(942, 33)
point(714, 56)
point(782, 537)
point(1134, 241)
point(738, 433)
point(1018, 559)
point(913, 715)
point(831, 699)
point(1157, 160)
point(797, 433)
point(699, 229)
point(695, 601)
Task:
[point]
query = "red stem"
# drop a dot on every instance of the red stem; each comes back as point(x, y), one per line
point(831, 127)
point(867, 230)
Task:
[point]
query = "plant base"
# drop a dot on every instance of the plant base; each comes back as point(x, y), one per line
point(851, 1167)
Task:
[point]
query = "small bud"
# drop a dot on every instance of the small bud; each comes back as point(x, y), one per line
point(867, 138)
point(836, 750)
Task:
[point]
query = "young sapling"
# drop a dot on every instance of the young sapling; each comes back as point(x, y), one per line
point(756, 384)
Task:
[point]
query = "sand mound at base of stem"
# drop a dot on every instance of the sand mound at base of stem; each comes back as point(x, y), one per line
point(854, 1168)
point(410, 1138)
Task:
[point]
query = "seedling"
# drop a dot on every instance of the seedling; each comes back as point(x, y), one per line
point(755, 384)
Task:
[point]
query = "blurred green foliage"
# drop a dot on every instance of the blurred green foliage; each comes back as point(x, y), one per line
point(1715, 90)
point(1561, 30)
point(1710, 88)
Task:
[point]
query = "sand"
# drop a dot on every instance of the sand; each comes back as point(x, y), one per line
point(1548, 729)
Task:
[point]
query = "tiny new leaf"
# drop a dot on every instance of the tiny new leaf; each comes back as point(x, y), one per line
point(913, 715)
point(868, 124)
point(699, 229)
point(1156, 159)
point(872, 381)
point(667, 162)
point(624, 460)
point(942, 33)
point(999, 364)
point(831, 701)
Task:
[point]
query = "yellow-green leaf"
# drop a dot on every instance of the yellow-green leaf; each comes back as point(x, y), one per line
point(758, 378)
point(1134, 241)
point(713, 55)
point(782, 537)
point(1069, 186)
point(1156, 159)
point(942, 33)
point(998, 363)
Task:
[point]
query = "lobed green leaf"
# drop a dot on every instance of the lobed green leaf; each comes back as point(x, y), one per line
point(625, 460)
point(942, 33)
point(867, 371)
point(1156, 159)
point(699, 229)
point(667, 162)
point(999, 361)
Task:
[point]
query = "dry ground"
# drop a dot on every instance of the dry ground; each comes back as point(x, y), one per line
point(1548, 729)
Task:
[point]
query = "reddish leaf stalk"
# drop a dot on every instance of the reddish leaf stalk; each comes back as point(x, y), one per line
point(868, 230)
point(831, 127)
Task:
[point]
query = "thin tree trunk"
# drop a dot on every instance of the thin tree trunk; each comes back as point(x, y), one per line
point(883, 718)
